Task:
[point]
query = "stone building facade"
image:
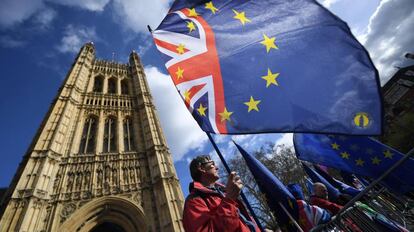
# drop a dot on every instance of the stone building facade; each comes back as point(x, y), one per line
point(99, 161)
point(398, 95)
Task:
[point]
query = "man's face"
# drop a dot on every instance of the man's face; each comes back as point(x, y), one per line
point(210, 170)
point(322, 192)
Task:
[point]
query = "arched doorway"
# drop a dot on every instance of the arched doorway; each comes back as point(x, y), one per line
point(107, 227)
point(104, 213)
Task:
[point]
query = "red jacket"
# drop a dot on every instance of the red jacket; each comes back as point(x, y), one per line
point(325, 204)
point(208, 211)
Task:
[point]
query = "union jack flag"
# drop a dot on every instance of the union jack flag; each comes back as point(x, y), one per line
point(195, 69)
point(270, 66)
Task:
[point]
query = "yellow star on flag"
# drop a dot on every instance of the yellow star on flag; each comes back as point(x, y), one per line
point(269, 43)
point(187, 95)
point(180, 49)
point(252, 104)
point(190, 26)
point(375, 160)
point(335, 146)
point(388, 154)
point(270, 78)
point(225, 115)
point(179, 73)
point(241, 16)
point(359, 162)
point(210, 6)
point(290, 203)
point(192, 12)
point(202, 110)
point(345, 155)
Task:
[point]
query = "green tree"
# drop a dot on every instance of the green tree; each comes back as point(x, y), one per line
point(281, 161)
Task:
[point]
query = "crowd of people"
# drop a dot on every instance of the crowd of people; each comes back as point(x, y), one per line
point(212, 206)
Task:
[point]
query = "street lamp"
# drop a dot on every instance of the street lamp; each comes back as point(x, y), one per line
point(409, 56)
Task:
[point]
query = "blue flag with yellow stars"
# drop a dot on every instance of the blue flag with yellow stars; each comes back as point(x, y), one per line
point(358, 155)
point(269, 66)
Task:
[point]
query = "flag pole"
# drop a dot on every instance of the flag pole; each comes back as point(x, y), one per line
point(375, 182)
point(291, 217)
point(229, 171)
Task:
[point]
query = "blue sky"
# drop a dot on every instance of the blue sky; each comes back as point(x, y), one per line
point(40, 38)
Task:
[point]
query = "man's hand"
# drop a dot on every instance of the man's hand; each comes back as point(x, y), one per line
point(234, 186)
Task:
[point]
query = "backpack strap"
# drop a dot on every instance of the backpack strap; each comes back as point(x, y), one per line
point(200, 194)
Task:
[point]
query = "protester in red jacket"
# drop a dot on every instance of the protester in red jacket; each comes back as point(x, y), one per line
point(214, 207)
point(320, 198)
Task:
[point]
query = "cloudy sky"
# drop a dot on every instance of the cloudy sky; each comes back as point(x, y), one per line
point(40, 38)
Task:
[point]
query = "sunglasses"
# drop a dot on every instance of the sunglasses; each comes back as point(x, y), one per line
point(207, 162)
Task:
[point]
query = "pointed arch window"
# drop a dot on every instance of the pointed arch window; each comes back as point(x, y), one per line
point(109, 142)
point(128, 135)
point(112, 85)
point(124, 87)
point(88, 138)
point(98, 84)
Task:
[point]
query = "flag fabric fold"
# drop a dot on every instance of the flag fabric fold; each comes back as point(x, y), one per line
point(274, 190)
point(333, 193)
point(359, 155)
point(269, 66)
point(342, 187)
point(352, 180)
point(309, 186)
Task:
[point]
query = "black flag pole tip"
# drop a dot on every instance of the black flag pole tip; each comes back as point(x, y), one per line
point(149, 28)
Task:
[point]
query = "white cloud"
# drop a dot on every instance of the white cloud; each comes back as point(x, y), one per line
point(144, 46)
point(75, 37)
point(249, 141)
point(9, 42)
point(389, 35)
point(286, 139)
point(219, 139)
point(13, 12)
point(92, 5)
point(242, 138)
point(327, 3)
point(45, 16)
point(136, 15)
point(181, 130)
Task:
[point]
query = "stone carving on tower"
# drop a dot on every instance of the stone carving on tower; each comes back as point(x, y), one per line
point(99, 161)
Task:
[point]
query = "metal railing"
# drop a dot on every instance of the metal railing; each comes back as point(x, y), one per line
point(380, 210)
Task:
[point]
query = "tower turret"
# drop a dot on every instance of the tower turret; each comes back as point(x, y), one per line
point(99, 159)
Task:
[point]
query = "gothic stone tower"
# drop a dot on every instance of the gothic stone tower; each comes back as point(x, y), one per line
point(99, 161)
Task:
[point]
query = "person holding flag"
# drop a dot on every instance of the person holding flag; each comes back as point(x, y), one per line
point(212, 206)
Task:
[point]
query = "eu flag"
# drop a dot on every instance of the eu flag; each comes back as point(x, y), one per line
point(358, 155)
point(269, 66)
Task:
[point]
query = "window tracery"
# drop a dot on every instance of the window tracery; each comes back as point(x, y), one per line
point(98, 84)
point(109, 140)
point(128, 135)
point(88, 138)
